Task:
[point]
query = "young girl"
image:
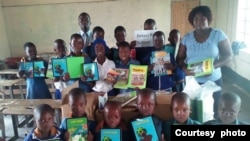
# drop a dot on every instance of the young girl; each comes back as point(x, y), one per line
point(36, 86)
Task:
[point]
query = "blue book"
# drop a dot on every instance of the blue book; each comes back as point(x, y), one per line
point(144, 129)
point(59, 66)
point(90, 71)
point(33, 69)
point(110, 134)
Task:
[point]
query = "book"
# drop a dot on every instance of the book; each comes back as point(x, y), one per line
point(122, 79)
point(78, 128)
point(125, 98)
point(144, 129)
point(71, 65)
point(112, 75)
point(159, 59)
point(202, 68)
point(111, 134)
point(90, 70)
point(33, 69)
point(137, 76)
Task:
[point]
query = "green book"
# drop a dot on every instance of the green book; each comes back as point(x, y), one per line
point(201, 68)
point(78, 128)
point(122, 79)
point(137, 76)
point(111, 134)
point(74, 65)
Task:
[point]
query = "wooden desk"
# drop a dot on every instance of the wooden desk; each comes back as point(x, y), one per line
point(10, 83)
point(9, 72)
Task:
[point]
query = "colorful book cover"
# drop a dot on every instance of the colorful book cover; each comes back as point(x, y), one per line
point(78, 128)
point(137, 76)
point(59, 66)
point(27, 68)
point(112, 75)
point(125, 98)
point(110, 134)
point(144, 129)
point(49, 73)
point(159, 59)
point(75, 68)
point(91, 71)
point(39, 69)
point(122, 79)
point(202, 68)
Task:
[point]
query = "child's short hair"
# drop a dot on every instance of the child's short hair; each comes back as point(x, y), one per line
point(149, 21)
point(29, 44)
point(76, 36)
point(98, 29)
point(231, 97)
point(159, 33)
point(173, 31)
point(113, 104)
point(42, 109)
point(179, 97)
point(147, 91)
point(84, 14)
point(119, 28)
point(77, 93)
point(123, 44)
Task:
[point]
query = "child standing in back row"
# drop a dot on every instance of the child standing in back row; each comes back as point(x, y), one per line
point(36, 86)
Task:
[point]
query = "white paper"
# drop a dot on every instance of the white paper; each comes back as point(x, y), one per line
point(144, 38)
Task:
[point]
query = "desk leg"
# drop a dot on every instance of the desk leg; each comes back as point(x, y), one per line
point(15, 126)
point(2, 124)
point(11, 92)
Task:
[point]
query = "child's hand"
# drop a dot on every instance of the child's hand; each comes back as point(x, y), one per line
point(90, 137)
point(169, 66)
point(66, 136)
point(66, 77)
point(151, 67)
point(83, 78)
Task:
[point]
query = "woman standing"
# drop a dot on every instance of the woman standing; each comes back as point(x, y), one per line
point(202, 43)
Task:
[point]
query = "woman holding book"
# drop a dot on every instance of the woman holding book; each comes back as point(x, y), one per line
point(203, 43)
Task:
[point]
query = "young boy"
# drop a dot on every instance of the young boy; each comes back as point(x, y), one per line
point(77, 103)
point(113, 119)
point(146, 102)
point(45, 126)
point(228, 110)
point(179, 75)
point(164, 82)
point(181, 109)
point(124, 60)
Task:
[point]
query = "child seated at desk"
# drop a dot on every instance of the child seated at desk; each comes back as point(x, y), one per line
point(77, 103)
point(228, 110)
point(181, 109)
point(113, 119)
point(46, 128)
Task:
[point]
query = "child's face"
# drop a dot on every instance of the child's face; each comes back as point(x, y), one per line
point(31, 52)
point(59, 49)
point(181, 111)
point(84, 22)
point(174, 38)
point(45, 122)
point(76, 45)
point(98, 34)
point(112, 117)
point(159, 41)
point(100, 50)
point(149, 27)
point(124, 53)
point(77, 106)
point(228, 111)
point(120, 36)
point(146, 104)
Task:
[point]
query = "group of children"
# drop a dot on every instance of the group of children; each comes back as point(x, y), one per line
point(229, 108)
point(93, 48)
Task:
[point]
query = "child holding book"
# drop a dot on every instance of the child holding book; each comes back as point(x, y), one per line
point(45, 126)
point(146, 102)
point(77, 103)
point(181, 109)
point(36, 86)
point(124, 61)
point(228, 110)
point(113, 120)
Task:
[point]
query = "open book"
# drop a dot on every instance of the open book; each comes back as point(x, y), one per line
point(125, 98)
point(33, 69)
point(202, 68)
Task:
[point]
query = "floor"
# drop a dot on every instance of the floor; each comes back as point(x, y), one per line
point(232, 82)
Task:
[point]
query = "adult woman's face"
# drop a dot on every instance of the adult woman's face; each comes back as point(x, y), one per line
point(200, 21)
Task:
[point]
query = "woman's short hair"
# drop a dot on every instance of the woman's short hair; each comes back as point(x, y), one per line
point(204, 10)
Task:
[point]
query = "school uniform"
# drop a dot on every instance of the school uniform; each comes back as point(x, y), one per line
point(90, 51)
point(142, 51)
point(167, 126)
point(35, 135)
point(87, 37)
point(218, 122)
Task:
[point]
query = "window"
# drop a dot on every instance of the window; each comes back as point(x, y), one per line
point(243, 22)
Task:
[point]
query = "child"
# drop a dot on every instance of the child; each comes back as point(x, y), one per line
point(104, 64)
point(179, 76)
point(181, 109)
point(113, 119)
point(124, 60)
point(164, 82)
point(36, 86)
point(76, 44)
point(146, 102)
point(84, 22)
point(77, 103)
point(228, 110)
point(45, 126)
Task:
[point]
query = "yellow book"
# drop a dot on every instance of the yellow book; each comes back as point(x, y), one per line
point(201, 68)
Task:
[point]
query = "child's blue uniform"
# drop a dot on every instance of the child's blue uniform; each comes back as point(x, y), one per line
point(167, 126)
point(164, 82)
point(55, 133)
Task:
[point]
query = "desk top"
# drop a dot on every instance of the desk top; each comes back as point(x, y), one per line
point(8, 71)
point(23, 82)
point(9, 82)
